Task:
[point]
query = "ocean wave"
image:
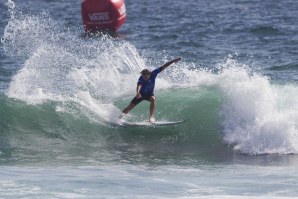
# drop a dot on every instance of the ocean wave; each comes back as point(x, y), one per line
point(88, 80)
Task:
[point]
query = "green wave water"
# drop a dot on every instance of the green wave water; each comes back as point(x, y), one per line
point(50, 136)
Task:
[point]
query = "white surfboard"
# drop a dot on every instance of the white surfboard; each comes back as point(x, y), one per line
point(147, 124)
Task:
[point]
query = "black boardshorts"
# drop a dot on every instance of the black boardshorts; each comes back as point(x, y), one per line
point(136, 100)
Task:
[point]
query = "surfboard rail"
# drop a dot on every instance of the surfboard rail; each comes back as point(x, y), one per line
point(147, 124)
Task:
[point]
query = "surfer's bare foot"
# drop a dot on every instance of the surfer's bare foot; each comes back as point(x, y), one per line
point(151, 120)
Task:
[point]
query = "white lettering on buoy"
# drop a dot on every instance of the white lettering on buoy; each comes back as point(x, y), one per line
point(122, 10)
point(102, 16)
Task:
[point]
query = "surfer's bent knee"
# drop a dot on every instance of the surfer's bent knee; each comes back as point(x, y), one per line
point(152, 99)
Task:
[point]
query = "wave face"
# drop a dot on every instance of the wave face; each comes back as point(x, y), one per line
point(69, 88)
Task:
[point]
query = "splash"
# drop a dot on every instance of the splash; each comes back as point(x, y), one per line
point(258, 117)
point(11, 6)
point(66, 68)
point(8, 30)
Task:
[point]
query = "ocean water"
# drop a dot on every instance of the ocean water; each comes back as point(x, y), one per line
point(237, 86)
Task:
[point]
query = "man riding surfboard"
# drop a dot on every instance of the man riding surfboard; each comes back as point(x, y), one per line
point(145, 89)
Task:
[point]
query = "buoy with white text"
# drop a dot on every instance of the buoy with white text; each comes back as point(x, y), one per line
point(103, 15)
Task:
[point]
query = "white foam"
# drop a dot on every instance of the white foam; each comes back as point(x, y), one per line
point(258, 116)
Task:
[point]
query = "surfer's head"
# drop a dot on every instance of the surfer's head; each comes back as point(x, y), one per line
point(146, 74)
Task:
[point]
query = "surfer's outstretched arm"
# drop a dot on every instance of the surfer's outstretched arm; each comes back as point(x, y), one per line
point(170, 62)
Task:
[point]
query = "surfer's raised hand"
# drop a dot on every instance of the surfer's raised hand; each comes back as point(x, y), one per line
point(177, 59)
point(170, 62)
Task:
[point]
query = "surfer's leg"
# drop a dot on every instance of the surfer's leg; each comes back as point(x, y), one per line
point(132, 104)
point(128, 108)
point(152, 108)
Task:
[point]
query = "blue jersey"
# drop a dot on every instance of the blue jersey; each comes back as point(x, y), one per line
point(148, 86)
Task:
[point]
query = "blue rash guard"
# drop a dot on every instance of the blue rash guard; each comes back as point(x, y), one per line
point(147, 88)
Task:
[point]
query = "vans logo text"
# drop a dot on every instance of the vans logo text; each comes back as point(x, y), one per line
point(102, 16)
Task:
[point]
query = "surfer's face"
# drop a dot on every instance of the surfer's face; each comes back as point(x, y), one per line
point(146, 77)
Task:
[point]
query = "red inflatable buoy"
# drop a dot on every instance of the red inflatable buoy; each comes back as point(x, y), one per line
point(103, 15)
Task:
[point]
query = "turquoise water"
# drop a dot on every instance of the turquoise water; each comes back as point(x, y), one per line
point(236, 87)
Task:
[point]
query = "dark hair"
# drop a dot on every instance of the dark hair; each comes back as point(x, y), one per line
point(145, 72)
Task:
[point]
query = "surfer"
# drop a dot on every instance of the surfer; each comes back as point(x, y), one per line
point(145, 89)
